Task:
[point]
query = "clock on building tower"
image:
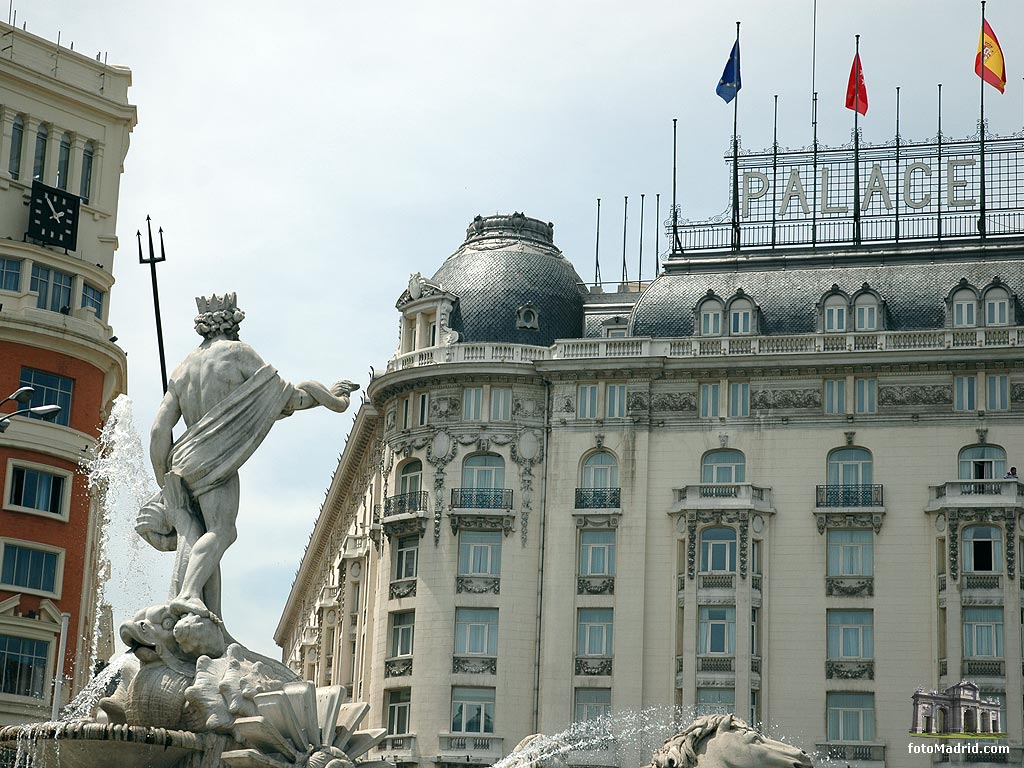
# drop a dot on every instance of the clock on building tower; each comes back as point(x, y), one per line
point(53, 216)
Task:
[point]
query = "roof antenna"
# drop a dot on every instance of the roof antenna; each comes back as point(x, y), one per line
point(640, 258)
point(597, 248)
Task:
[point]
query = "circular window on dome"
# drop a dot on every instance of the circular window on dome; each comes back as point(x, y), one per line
point(527, 318)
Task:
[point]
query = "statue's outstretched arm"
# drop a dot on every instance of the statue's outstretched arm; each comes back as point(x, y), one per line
point(309, 394)
point(161, 438)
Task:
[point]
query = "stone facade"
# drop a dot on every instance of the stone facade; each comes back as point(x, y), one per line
point(806, 522)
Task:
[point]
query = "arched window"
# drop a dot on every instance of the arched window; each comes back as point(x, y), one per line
point(87, 157)
point(600, 470)
point(866, 312)
point(723, 467)
point(63, 161)
point(982, 462)
point(709, 316)
point(39, 162)
point(718, 550)
point(983, 549)
point(997, 306)
point(484, 470)
point(741, 317)
point(411, 477)
point(834, 313)
point(17, 140)
point(964, 303)
point(849, 466)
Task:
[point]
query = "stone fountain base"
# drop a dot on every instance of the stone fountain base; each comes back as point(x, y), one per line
point(99, 745)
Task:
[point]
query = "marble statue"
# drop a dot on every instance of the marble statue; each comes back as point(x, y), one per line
point(229, 399)
point(725, 741)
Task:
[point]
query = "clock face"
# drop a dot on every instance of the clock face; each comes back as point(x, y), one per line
point(53, 216)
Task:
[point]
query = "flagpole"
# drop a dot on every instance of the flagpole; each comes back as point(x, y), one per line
point(735, 152)
point(775, 161)
point(856, 146)
point(597, 248)
point(676, 245)
point(897, 161)
point(640, 258)
point(938, 185)
point(657, 226)
point(981, 126)
point(625, 217)
point(814, 148)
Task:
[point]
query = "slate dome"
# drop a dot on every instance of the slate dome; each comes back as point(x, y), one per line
point(514, 285)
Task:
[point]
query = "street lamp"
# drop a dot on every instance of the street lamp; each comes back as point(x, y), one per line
point(23, 396)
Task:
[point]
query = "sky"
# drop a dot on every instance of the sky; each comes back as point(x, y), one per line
point(311, 156)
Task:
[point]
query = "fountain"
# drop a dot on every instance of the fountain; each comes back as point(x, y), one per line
point(188, 695)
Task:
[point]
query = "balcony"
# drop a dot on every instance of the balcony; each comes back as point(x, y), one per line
point(715, 664)
point(755, 664)
point(864, 753)
point(400, 748)
point(355, 546)
point(478, 585)
point(402, 588)
point(943, 668)
point(850, 586)
point(405, 503)
point(482, 498)
point(982, 494)
point(849, 670)
point(984, 667)
point(598, 498)
point(398, 666)
point(593, 665)
point(595, 585)
point(680, 677)
point(716, 581)
point(479, 749)
point(941, 579)
point(859, 495)
point(723, 496)
point(475, 665)
point(982, 581)
point(328, 597)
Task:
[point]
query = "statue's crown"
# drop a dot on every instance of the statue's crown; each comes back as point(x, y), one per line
point(216, 303)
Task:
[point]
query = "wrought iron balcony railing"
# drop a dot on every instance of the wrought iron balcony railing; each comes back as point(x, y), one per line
point(482, 498)
point(715, 663)
point(849, 496)
point(404, 503)
point(874, 753)
point(717, 581)
point(984, 667)
point(982, 581)
point(598, 498)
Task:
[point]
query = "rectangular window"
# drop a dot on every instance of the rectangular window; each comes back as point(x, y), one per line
point(63, 162)
point(406, 412)
point(399, 700)
point(866, 401)
point(597, 553)
point(594, 632)
point(402, 625)
point(50, 389)
point(501, 403)
point(717, 630)
point(755, 644)
point(983, 633)
point(835, 318)
point(432, 334)
point(615, 395)
point(996, 312)
point(10, 274)
point(964, 387)
point(476, 631)
point(998, 393)
point(479, 553)
point(53, 288)
point(587, 394)
point(24, 670)
point(593, 704)
point(39, 160)
point(740, 321)
point(86, 186)
point(835, 396)
point(715, 701)
point(866, 318)
point(615, 333)
point(718, 551)
point(17, 141)
point(472, 710)
point(739, 399)
point(37, 489)
point(424, 409)
point(755, 556)
point(93, 299)
point(851, 716)
point(472, 399)
point(850, 553)
point(28, 568)
point(850, 635)
point(709, 401)
point(710, 323)
point(963, 313)
point(407, 557)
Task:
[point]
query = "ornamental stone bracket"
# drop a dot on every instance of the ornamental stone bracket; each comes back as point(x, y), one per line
point(739, 518)
point(405, 524)
point(595, 585)
point(526, 451)
point(955, 517)
point(402, 588)
point(478, 585)
point(604, 520)
point(471, 521)
point(845, 519)
point(475, 665)
point(397, 667)
point(849, 586)
point(593, 667)
point(849, 670)
point(440, 451)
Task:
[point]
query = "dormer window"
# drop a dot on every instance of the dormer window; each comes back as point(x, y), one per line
point(710, 312)
point(835, 314)
point(616, 327)
point(866, 312)
point(739, 319)
point(997, 306)
point(965, 303)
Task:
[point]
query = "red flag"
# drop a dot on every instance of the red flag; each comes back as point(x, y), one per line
point(989, 63)
point(856, 91)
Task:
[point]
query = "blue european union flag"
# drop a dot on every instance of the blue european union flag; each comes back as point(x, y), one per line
point(729, 85)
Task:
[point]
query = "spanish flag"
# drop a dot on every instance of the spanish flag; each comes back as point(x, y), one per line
point(989, 64)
